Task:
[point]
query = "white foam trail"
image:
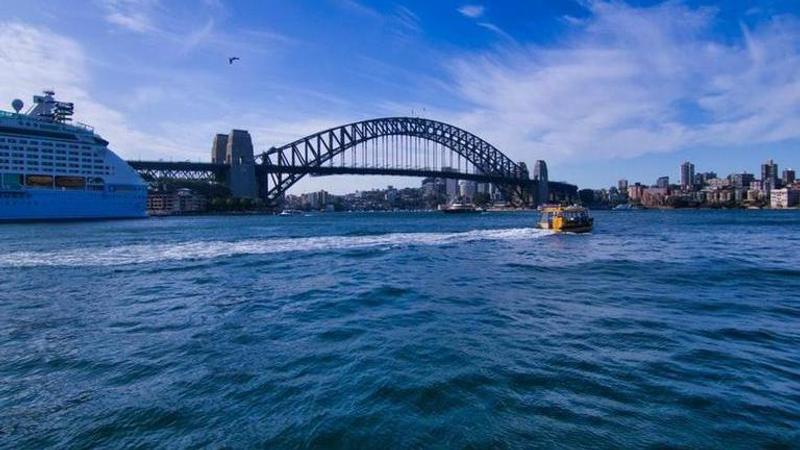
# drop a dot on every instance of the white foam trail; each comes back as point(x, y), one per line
point(198, 250)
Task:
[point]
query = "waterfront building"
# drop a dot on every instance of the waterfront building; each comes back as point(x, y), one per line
point(784, 198)
point(662, 182)
point(754, 195)
point(540, 175)
point(622, 185)
point(788, 177)
point(654, 197)
point(687, 176)
point(635, 192)
point(181, 201)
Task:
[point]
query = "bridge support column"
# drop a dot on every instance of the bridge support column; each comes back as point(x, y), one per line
point(239, 155)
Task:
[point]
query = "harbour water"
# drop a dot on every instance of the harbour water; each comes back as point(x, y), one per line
point(677, 328)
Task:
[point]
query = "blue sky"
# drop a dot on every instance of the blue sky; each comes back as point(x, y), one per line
point(600, 89)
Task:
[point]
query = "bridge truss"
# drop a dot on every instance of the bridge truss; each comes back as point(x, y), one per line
point(392, 146)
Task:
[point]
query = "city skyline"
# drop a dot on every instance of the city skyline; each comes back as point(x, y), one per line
point(565, 82)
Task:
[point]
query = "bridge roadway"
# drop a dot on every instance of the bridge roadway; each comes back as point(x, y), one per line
point(155, 170)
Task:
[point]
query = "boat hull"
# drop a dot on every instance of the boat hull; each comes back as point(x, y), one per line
point(54, 205)
point(460, 211)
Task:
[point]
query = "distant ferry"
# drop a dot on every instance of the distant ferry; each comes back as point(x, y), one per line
point(626, 207)
point(460, 208)
point(572, 219)
point(53, 170)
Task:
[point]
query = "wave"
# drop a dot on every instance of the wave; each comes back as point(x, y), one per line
point(199, 250)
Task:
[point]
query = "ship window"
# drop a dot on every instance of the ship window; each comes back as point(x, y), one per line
point(60, 145)
point(13, 141)
point(47, 144)
point(12, 179)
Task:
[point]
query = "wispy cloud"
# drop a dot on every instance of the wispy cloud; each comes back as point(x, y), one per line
point(472, 11)
point(497, 30)
point(131, 15)
point(402, 21)
point(629, 81)
point(476, 12)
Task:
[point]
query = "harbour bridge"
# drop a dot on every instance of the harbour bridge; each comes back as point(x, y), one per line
point(399, 146)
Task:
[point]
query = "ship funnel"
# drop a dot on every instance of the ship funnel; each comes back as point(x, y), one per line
point(17, 105)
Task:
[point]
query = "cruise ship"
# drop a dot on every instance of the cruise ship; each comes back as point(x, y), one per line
point(51, 169)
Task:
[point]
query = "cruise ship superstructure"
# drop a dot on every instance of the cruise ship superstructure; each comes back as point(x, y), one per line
point(51, 169)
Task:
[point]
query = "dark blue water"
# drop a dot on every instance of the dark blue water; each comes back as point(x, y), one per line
point(402, 330)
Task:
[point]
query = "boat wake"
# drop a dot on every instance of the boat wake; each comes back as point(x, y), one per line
point(199, 250)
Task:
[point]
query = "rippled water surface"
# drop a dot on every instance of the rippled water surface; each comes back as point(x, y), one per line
point(402, 330)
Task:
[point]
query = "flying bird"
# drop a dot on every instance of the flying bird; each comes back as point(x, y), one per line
point(232, 59)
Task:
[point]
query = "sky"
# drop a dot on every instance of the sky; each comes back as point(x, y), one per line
point(601, 90)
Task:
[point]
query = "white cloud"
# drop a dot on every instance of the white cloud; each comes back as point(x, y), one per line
point(472, 11)
point(36, 58)
point(629, 81)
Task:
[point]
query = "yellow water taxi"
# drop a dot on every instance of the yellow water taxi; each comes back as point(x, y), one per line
point(571, 219)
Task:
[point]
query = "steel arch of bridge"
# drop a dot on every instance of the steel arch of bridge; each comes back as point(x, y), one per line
point(286, 165)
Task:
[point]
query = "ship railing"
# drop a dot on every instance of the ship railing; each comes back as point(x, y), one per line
point(84, 126)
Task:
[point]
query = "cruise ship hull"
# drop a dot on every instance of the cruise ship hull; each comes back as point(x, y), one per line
point(48, 205)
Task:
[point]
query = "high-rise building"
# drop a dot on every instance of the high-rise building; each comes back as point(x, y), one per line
point(467, 189)
point(540, 175)
point(622, 185)
point(769, 176)
point(741, 180)
point(788, 177)
point(662, 182)
point(451, 184)
point(687, 175)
